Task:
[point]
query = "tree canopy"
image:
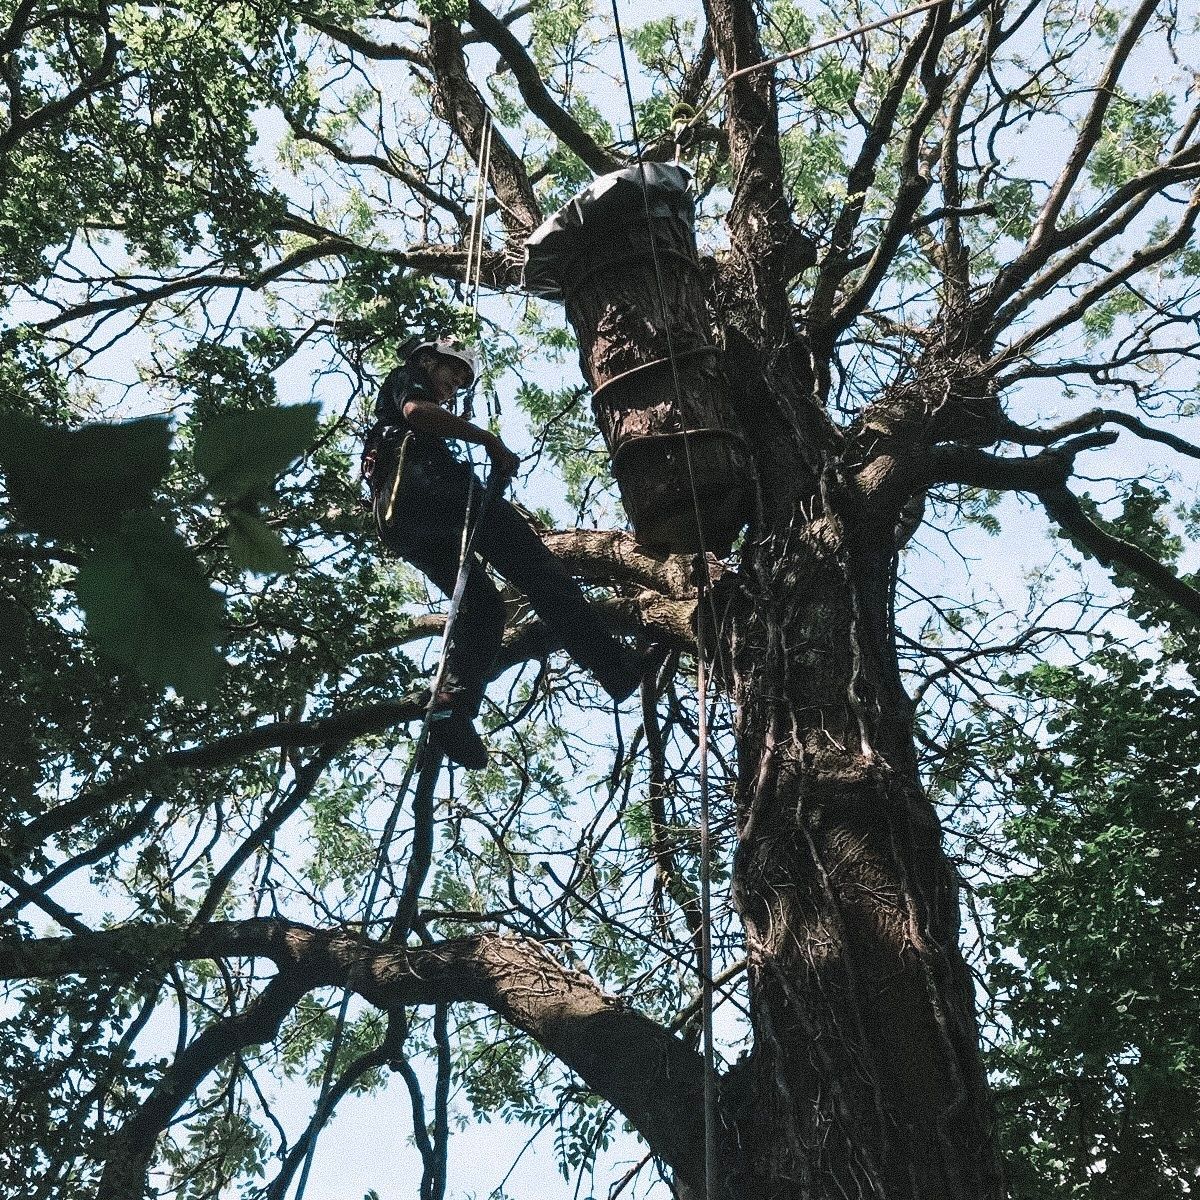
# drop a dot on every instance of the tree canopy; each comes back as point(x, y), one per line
point(957, 252)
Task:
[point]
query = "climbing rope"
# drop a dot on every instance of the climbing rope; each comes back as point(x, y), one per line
point(473, 273)
point(702, 592)
point(422, 804)
point(810, 48)
point(479, 214)
point(429, 768)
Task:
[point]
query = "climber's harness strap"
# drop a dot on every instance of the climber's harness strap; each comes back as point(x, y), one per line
point(405, 442)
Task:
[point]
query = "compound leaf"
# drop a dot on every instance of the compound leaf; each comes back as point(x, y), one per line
point(240, 454)
point(149, 605)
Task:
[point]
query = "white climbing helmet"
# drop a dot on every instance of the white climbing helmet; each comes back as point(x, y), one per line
point(449, 348)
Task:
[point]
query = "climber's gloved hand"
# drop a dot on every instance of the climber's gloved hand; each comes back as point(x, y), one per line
point(504, 461)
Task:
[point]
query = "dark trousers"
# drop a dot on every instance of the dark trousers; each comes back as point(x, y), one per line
point(426, 530)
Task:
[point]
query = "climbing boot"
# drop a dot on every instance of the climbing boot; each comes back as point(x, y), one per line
point(453, 735)
point(620, 674)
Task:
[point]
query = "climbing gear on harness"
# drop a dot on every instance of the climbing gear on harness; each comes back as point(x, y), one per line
point(406, 441)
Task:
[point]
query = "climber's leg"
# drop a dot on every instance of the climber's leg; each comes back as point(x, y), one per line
point(512, 546)
point(425, 530)
point(479, 627)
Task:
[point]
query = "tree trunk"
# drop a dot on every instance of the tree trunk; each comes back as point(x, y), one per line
point(865, 1079)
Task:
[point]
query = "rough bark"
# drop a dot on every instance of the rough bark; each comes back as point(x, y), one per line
point(865, 1079)
point(646, 1072)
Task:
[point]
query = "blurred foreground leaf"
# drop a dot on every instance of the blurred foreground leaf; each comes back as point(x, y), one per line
point(67, 483)
point(241, 454)
point(148, 604)
point(254, 546)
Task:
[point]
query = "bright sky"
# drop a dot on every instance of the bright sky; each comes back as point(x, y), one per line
point(368, 1145)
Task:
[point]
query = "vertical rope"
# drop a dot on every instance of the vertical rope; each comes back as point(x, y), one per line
point(429, 771)
point(701, 571)
point(473, 273)
point(428, 781)
point(479, 217)
point(706, 982)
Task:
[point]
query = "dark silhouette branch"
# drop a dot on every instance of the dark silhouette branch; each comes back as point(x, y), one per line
point(1090, 128)
point(358, 722)
point(1093, 419)
point(977, 468)
point(200, 282)
point(386, 166)
point(1137, 262)
point(124, 1176)
point(386, 1054)
point(650, 1075)
point(1042, 242)
point(352, 39)
point(759, 219)
point(835, 264)
point(460, 105)
point(1112, 551)
point(915, 179)
point(534, 93)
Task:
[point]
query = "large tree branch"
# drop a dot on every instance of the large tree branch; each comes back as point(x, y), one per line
point(1137, 262)
point(536, 96)
point(1046, 476)
point(389, 1053)
point(1107, 371)
point(386, 166)
point(323, 731)
point(1083, 250)
point(460, 105)
point(446, 262)
point(361, 44)
point(1114, 552)
point(1042, 241)
point(651, 1076)
point(100, 80)
point(977, 468)
point(1090, 129)
point(614, 557)
point(136, 297)
point(915, 180)
point(1022, 435)
point(835, 263)
point(759, 220)
point(124, 1176)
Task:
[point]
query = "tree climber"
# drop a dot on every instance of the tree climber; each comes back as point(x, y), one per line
point(420, 492)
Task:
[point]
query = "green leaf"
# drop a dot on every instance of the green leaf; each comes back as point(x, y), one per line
point(69, 483)
point(256, 547)
point(148, 604)
point(241, 454)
